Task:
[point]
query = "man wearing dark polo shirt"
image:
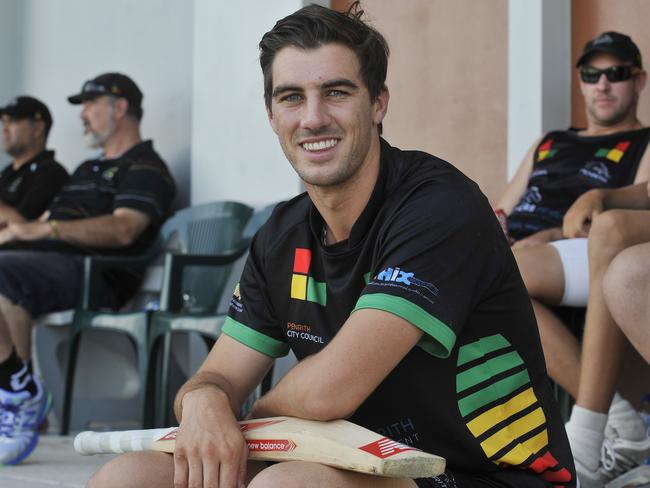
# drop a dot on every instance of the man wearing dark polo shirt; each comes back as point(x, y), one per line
point(114, 204)
point(29, 183)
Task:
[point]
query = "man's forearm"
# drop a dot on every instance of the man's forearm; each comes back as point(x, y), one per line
point(630, 197)
point(10, 214)
point(301, 393)
point(104, 231)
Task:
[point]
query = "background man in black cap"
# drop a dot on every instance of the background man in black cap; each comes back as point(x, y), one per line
point(29, 183)
point(114, 204)
point(561, 166)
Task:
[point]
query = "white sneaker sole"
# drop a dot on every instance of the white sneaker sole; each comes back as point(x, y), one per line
point(638, 477)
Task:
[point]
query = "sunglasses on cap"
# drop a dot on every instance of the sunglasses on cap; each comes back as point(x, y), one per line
point(613, 73)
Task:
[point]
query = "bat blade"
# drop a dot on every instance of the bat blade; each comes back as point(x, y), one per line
point(338, 443)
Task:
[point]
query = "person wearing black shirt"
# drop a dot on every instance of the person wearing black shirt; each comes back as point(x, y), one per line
point(29, 183)
point(392, 283)
point(113, 204)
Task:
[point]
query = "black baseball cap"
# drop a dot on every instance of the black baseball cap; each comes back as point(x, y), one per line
point(115, 84)
point(28, 108)
point(618, 45)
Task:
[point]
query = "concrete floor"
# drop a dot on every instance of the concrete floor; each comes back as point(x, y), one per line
point(52, 464)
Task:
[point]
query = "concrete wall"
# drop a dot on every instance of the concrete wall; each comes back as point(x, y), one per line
point(235, 154)
point(9, 53)
point(448, 81)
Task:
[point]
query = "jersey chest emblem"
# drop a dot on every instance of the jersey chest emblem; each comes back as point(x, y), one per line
point(613, 154)
point(546, 150)
point(303, 286)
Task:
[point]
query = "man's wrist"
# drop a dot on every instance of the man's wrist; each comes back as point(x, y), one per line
point(202, 381)
point(54, 228)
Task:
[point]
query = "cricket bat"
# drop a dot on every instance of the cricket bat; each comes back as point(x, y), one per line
point(337, 443)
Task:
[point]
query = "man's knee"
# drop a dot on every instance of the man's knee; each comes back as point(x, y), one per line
point(276, 475)
point(608, 235)
point(541, 269)
point(292, 474)
point(100, 479)
point(624, 282)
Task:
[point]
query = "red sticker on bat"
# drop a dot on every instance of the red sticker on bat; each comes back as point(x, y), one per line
point(245, 427)
point(266, 445)
point(386, 447)
point(171, 436)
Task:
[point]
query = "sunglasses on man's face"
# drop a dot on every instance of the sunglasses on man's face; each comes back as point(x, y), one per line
point(613, 73)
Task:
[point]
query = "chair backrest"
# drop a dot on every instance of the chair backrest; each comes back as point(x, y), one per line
point(256, 221)
point(207, 229)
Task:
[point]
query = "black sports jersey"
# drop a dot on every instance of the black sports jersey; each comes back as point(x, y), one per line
point(139, 179)
point(30, 188)
point(427, 248)
point(565, 166)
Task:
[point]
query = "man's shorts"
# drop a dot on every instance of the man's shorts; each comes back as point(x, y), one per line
point(39, 281)
point(575, 264)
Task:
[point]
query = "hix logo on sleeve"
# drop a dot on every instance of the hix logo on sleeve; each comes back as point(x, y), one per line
point(397, 275)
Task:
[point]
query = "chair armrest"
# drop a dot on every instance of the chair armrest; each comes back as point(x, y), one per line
point(94, 266)
point(171, 293)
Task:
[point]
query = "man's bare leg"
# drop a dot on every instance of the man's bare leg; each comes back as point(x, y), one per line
point(297, 474)
point(146, 469)
point(541, 269)
point(18, 325)
point(542, 272)
point(603, 342)
point(627, 287)
point(561, 349)
point(6, 344)
point(156, 470)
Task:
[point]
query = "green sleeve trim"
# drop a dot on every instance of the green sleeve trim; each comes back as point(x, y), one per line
point(254, 339)
point(438, 339)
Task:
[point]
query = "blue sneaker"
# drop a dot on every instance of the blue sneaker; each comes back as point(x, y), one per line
point(20, 415)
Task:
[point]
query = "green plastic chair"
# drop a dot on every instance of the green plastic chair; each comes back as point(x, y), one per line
point(194, 224)
point(220, 272)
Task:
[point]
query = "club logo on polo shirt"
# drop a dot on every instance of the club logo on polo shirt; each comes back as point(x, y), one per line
point(109, 173)
point(303, 286)
point(545, 150)
point(13, 187)
point(614, 154)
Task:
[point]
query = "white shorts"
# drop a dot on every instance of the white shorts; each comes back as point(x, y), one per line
point(575, 264)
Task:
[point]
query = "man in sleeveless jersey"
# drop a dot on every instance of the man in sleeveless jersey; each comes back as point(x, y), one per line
point(560, 168)
point(390, 280)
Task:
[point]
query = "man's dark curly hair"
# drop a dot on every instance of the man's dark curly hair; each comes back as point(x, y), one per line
point(314, 26)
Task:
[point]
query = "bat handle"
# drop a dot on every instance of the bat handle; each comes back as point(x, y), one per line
point(87, 443)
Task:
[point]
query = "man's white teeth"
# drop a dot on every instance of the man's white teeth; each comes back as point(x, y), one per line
point(320, 145)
